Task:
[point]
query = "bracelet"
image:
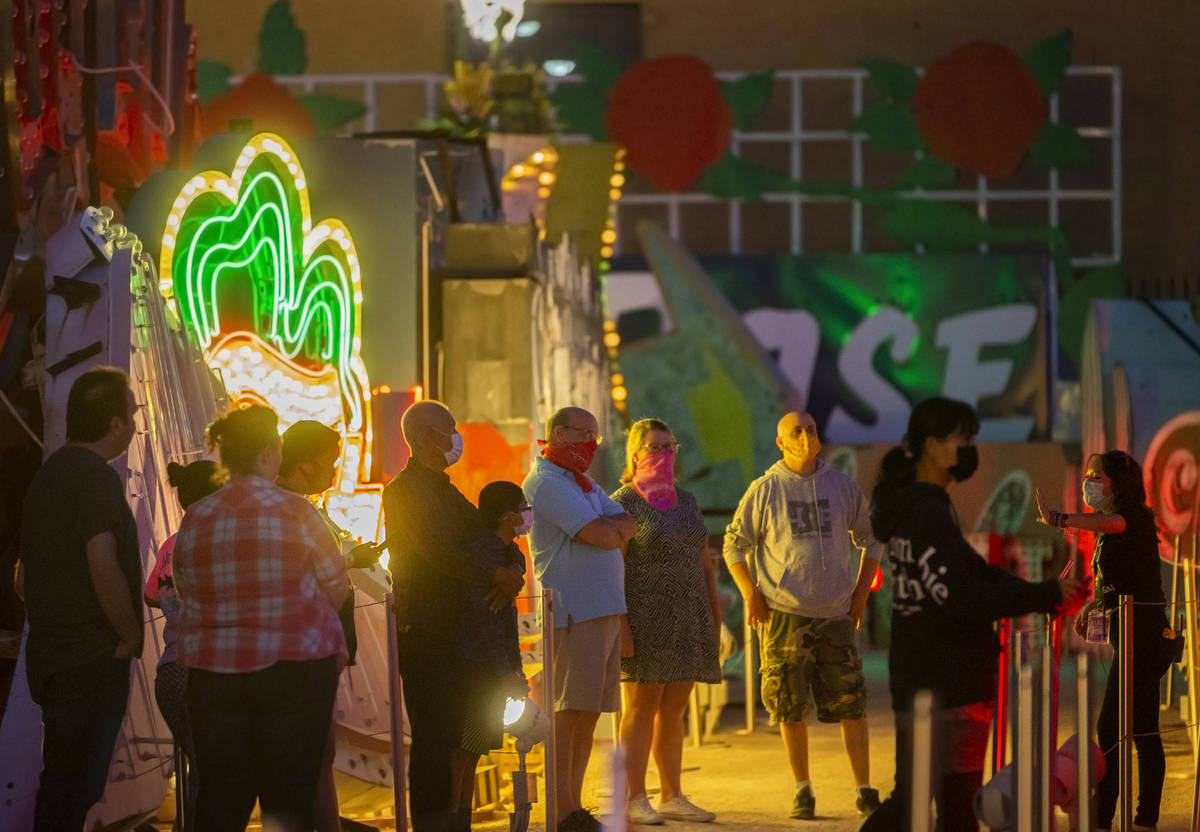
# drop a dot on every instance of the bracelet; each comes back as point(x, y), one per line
point(1062, 520)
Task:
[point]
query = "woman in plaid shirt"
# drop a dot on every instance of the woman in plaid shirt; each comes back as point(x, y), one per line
point(261, 579)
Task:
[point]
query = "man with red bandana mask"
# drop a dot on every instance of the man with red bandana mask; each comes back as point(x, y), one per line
point(576, 541)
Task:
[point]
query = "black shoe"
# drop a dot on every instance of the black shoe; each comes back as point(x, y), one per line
point(804, 807)
point(581, 820)
point(867, 802)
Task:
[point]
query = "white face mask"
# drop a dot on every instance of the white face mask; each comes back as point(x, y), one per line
point(456, 448)
point(1094, 497)
point(526, 523)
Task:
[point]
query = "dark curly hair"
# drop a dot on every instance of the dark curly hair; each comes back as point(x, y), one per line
point(1128, 485)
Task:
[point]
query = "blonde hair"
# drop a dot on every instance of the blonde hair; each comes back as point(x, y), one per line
point(633, 442)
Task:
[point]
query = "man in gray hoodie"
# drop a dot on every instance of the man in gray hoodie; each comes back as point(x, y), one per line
point(791, 550)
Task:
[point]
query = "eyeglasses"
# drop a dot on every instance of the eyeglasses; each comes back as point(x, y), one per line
point(655, 447)
point(588, 432)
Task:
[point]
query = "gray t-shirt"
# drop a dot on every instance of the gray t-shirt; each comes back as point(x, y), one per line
point(75, 496)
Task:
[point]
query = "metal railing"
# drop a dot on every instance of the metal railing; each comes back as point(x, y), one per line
point(983, 196)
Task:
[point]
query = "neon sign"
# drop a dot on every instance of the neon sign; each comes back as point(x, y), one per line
point(275, 303)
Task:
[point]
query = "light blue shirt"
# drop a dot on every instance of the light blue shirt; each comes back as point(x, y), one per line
point(588, 582)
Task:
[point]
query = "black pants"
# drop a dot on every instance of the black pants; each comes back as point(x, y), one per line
point(434, 697)
point(1150, 760)
point(960, 741)
point(260, 735)
point(82, 710)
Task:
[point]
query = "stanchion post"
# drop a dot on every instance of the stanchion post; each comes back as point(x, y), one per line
point(1125, 663)
point(1049, 720)
point(1024, 748)
point(550, 745)
point(1000, 721)
point(922, 761)
point(1193, 650)
point(1172, 606)
point(748, 664)
point(1083, 742)
point(396, 692)
point(181, 788)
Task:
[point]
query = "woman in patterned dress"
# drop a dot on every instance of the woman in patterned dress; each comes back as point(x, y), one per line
point(670, 637)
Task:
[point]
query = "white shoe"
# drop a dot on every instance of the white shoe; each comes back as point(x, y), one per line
point(639, 811)
point(680, 808)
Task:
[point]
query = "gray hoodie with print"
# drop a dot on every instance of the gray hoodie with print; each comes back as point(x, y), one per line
point(799, 535)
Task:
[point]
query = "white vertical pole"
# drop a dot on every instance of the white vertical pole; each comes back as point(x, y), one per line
point(1125, 663)
point(1024, 747)
point(550, 745)
point(922, 761)
point(396, 692)
point(1083, 742)
point(748, 665)
point(1048, 736)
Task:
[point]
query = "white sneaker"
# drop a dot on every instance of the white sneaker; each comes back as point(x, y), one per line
point(680, 808)
point(639, 811)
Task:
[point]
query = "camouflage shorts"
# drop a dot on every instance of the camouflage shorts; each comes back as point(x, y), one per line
point(800, 654)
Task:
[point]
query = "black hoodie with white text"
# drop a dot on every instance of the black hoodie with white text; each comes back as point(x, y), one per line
point(945, 598)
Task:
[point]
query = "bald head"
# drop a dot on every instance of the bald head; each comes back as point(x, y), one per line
point(796, 436)
point(794, 422)
point(422, 415)
point(571, 424)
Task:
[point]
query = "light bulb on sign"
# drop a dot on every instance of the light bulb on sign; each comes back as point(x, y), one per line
point(482, 18)
point(558, 67)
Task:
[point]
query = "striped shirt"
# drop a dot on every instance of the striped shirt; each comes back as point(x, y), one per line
point(253, 565)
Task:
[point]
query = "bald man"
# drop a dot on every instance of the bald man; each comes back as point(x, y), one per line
point(576, 541)
point(444, 560)
point(801, 551)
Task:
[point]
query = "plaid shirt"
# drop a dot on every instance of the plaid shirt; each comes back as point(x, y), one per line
point(253, 564)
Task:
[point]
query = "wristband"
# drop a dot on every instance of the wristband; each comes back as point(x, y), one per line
point(1062, 520)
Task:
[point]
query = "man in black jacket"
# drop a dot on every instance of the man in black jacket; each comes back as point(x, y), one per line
point(440, 549)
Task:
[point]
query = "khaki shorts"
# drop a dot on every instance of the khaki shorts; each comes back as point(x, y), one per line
point(801, 654)
point(587, 665)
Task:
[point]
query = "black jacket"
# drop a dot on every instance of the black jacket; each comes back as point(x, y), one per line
point(944, 600)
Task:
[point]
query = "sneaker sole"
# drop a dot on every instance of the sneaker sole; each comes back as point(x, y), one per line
point(705, 818)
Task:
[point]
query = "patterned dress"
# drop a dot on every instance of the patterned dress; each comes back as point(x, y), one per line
point(674, 637)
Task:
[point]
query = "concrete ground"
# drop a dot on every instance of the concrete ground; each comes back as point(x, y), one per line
point(745, 779)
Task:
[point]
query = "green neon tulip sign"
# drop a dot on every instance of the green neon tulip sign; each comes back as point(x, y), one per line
point(240, 253)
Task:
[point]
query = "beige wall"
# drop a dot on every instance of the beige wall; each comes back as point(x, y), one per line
point(1153, 41)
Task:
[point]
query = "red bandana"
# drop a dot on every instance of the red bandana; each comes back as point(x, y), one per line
point(576, 457)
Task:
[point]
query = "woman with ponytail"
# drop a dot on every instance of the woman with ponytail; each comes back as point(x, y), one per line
point(945, 598)
point(192, 483)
